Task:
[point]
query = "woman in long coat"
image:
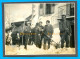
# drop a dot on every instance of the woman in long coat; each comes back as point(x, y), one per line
point(37, 35)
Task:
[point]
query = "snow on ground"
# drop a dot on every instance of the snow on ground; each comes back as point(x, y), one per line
point(33, 50)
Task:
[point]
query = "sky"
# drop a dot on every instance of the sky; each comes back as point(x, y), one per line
point(17, 11)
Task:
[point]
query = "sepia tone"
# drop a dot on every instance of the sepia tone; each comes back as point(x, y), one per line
point(35, 13)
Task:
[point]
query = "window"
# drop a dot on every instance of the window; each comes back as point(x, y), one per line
point(46, 9)
point(72, 9)
point(41, 6)
point(50, 8)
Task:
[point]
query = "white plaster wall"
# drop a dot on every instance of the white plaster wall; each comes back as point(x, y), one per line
point(36, 13)
point(53, 19)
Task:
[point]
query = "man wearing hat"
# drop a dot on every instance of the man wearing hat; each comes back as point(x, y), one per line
point(41, 28)
point(61, 28)
point(27, 32)
point(64, 32)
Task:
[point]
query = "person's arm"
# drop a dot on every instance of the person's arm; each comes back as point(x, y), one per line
point(51, 28)
point(44, 28)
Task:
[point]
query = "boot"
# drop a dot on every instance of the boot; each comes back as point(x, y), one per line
point(25, 47)
point(44, 46)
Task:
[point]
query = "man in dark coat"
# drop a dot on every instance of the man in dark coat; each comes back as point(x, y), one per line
point(27, 32)
point(37, 35)
point(41, 28)
point(69, 31)
point(14, 35)
point(64, 30)
point(61, 28)
point(48, 31)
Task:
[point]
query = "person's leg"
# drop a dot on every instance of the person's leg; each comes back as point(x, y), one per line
point(62, 40)
point(33, 40)
point(13, 40)
point(29, 42)
point(67, 40)
point(63, 35)
point(41, 41)
point(25, 44)
point(44, 46)
point(49, 43)
point(19, 43)
point(26, 39)
point(62, 43)
point(36, 42)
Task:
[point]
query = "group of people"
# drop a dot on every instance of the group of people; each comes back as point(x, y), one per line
point(38, 34)
point(42, 34)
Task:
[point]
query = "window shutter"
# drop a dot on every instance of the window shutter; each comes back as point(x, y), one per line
point(41, 12)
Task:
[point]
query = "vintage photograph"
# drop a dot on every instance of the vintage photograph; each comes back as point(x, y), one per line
point(46, 28)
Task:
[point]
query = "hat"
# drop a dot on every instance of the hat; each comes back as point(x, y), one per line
point(63, 15)
point(48, 21)
point(37, 24)
point(40, 22)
